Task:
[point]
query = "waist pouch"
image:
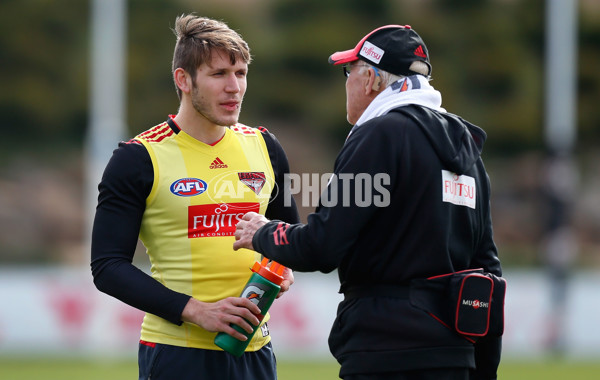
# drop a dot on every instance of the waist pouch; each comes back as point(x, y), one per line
point(470, 301)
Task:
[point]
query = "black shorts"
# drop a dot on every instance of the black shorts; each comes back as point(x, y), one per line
point(165, 362)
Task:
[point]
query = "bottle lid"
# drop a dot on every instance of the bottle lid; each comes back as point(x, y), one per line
point(273, 273)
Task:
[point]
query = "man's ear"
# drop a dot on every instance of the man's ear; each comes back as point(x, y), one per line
point(373, 82)
point(182, 79)
point(376, 83)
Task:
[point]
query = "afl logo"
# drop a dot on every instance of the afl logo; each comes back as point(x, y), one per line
point(188, 187)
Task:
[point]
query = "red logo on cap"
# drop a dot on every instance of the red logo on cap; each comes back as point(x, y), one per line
point(419, 51)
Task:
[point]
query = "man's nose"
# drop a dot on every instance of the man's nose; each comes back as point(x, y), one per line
point(232, 84)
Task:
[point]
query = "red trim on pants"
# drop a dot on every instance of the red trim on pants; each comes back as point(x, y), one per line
point(149, 344)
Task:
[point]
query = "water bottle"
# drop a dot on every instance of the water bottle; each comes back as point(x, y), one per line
point(262, 288)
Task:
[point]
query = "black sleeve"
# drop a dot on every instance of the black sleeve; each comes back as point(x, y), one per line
point(330, 232)
point(281, 205)
point(125, 185)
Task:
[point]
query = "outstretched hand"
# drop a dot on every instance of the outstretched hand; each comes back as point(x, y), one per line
point(246, 228)
point(244, 232)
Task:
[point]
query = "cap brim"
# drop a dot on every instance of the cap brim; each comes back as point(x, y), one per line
point(341, 57)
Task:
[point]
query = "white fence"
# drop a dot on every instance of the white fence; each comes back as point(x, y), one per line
point(58, 311)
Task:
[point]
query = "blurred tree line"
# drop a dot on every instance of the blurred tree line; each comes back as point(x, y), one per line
point(487, 61)
point(487, 58)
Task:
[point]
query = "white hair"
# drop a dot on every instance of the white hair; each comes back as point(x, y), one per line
point(387, 78)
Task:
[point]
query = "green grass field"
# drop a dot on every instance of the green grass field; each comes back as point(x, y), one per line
point(80, 369)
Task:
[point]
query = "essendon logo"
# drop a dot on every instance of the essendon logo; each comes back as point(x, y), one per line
point(217, 219)
point(279, 236)
point(254, 180)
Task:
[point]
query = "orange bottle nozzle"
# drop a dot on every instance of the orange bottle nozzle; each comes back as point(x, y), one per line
point(274, 266)
point(273, 274)
point(279, 270)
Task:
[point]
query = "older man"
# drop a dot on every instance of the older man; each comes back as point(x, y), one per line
point(417, 206)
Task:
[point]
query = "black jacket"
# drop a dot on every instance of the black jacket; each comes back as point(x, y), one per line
point(406, 233)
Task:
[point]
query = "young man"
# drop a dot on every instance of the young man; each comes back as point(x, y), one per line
point(181, 186)
point(409, 200)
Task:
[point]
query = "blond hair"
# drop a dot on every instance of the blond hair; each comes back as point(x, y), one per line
point(198, 37)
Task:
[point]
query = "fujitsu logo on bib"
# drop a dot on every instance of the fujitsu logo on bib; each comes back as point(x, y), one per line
point(188, 187)
point(212, 220)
